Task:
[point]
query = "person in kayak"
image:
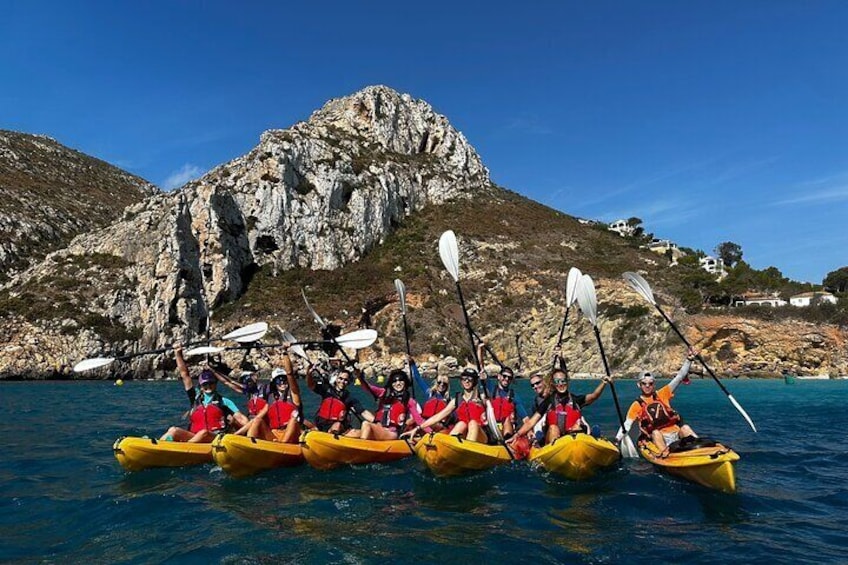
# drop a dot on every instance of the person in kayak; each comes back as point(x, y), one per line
point(280, 418)
point(467, 407)
point(395, 408)
point(506, 406)
point(658, 421)
point(210, 412)
point(562, 410)
point(336, 401)
point(438, 394)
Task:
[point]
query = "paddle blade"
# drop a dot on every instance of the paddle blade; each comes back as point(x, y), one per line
point(742, 411)
point(401, 290)
point(247, 334)
point(358, 339)
point(315, 315)
point(587, 299)
point(203, 350)
point(296, 349)
point(93, 363)
point(574, 275)
point(640, 285)
point(449, 252)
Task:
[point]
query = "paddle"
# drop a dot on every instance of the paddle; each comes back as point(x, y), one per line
point(246, 334)
point(573, 278)
point(358, 339)
point(641, 286)
point(449, 253)
point(588, 301)
point(401, 290)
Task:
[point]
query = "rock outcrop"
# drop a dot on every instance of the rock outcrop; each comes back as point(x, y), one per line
point(50, 193)
point(317, 196)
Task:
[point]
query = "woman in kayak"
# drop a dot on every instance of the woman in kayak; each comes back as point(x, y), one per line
point(658, 421)
point(467, 407)
point(210, 412)
point(336, 402)
point(562, 410)
point(279, 419)
point(395, 408)
point(438, 394)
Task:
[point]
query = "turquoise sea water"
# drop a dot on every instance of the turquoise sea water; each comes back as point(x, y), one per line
point(64, 498)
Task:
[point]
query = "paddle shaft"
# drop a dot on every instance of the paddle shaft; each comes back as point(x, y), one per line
point(561, 333)
point(611, 383)
point(468, 325)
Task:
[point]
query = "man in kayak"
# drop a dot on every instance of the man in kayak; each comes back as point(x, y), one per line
point(506, 405)
point(657, 420)
point(562, 410)
point(210, 412)
point(279, 420)
point(336, 401)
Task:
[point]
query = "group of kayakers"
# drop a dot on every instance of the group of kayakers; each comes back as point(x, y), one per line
point(483, 410)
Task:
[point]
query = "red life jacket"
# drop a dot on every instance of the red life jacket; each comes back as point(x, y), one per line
point(212, 416)
point(332, 409)
point(433, 407)
point(504, 407)
point(255, 404)
point(657, 415)
point(395, 416)
point(470, 410)
point(279, 414)
point(563, 415)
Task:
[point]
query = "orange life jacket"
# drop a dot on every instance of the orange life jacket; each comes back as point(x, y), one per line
point(657, 414)
point(433, 407)
point(212, 416)
point(332, 409)
point(504, 407)
point(255, 404)
point(564, 415)
point(470, 410)
point(395, 416)
point(279, 414)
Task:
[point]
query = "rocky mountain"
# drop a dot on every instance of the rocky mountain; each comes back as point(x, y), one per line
point(340, 205)
point(50, 193)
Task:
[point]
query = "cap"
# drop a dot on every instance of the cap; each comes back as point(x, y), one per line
point(645, 377)
point(507, 372)
point(278, 372)
point(469, 372)
point(244, 376)
point(207, 376)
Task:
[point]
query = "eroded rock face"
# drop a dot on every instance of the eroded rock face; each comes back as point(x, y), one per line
point(318, 195)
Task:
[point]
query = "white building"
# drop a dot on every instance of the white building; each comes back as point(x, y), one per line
point(807, 298)
point(713, 265)
point(621, 227)
point(753, 300)
point(666, 247)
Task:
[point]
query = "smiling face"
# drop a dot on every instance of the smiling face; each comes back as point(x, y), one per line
point(505, 378)
point(560, 381)
point(342, 380)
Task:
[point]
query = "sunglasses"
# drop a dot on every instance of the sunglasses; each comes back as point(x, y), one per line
point(468, 379)
point(560, 381)
point(442, 383)
point(647, 383)
point(537, 383)
point(510, 377)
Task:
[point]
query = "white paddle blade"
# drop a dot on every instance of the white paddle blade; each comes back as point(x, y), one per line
point(203, 350)
point(315, 315)
point(93, 363)
point(247, 334)
point(492, 421)
point(587, 299)
point(401, 290)
point(296, 349)
point(449, 252)
point(640, 285)
point(742, 411)
point(627, 444)
point(574, 275)
point(359, 339)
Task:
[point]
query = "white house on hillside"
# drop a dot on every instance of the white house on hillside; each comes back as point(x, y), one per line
point(759, 300)
point(807, 298)
point(666, 247)
point(713, 265)
point(621, 227)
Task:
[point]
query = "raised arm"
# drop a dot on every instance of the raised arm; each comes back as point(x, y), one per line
point(234, 386)
point(596, 394)
point(684, 369)
point(294, 386)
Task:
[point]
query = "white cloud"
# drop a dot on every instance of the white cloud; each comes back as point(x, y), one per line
point(817, 197)
point(186, 173)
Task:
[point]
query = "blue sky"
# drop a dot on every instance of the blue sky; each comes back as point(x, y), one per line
point(711, 121)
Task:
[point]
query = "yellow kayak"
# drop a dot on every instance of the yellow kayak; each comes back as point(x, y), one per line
point(241, 456)
point(448, 455)
point(326, 451)
point(576, 456)
point(137, 453)
point(707, 463)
